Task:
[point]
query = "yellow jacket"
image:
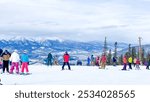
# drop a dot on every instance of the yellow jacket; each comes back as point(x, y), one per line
point(130, 60)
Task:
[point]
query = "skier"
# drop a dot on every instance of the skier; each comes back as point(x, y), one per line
point(79, 62)
point(1, 62)
point(130, 62)
point(5, 56)
point(114, 61)
point(103, 61)
point(148, 63)
point(1, 59)
point(88, 61)
point(24, 61)
point(92, 60)
point(49, 59)
point(14, 62)
point(97, 60)
point(137, 64)
point(124, 63)
point(134, 62)
point(66, 60)
point(55, 60)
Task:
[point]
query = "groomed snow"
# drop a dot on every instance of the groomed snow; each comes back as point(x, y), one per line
point(79, 75)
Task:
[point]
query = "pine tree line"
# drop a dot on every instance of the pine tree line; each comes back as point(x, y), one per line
point(133, 51)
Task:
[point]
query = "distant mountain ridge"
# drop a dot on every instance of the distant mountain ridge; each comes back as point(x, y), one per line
point(39, 48)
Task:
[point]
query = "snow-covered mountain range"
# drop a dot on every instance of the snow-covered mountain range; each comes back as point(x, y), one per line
point(38, 48)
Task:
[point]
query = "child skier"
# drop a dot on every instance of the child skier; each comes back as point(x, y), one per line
point(25, 61)
point(137, 64)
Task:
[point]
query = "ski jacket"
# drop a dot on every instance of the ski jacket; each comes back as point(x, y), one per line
point(24, 58)
point(66, 57)
point(137, 62)
point(103, 59)
point(88, 60)
point(14, 57)
point(124, 60)
point(130, 60)
point(50, 56)
point(114, 59)
point(92, 58)
point(5, 57)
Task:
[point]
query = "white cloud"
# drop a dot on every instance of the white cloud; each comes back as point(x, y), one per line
point(76, 19)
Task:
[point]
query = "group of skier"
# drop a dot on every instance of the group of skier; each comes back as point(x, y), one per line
point(51, 60)
point(18, 62)
point(21, 62)
point(98, 61)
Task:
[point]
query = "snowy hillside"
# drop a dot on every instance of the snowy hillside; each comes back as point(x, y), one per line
point(79, 75)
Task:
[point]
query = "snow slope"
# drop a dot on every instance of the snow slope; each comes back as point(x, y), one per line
point(79, 75)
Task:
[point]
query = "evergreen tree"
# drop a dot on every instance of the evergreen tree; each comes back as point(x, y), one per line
point(115, 52)
point(120, 62)
point(129, 49)
point(127, 54)
point(143, 56)
point(105, 47)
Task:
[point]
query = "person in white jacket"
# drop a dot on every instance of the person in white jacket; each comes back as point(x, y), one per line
point(15, 58)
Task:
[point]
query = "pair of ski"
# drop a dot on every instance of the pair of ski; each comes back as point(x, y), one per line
point(21, 73)
point(25, 73)
point(66, 69)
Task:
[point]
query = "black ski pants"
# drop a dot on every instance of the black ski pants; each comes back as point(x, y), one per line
point(65, 64)
point(5, 66)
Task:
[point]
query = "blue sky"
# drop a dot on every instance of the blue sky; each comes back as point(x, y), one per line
point(81, 20)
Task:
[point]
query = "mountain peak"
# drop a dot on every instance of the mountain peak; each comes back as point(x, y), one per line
point(38, 39)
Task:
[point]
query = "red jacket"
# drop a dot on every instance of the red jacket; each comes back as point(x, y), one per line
point(103, 59)
point(66, 57)
point(124, 60)
point(137, 62)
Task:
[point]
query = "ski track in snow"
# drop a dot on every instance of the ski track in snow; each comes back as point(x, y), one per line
point(79, 75)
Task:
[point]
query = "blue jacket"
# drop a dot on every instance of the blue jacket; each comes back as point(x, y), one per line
point(24, 58)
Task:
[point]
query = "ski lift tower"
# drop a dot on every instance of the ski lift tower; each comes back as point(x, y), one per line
point(140, 49)
point(105, 46)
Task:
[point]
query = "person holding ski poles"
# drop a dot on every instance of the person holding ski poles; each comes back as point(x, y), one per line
point(5, 57)
point(15, 59)
point(130, 62)
point(25, 62)
point(124, 63)
point(66, 60)
point(49, 59)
